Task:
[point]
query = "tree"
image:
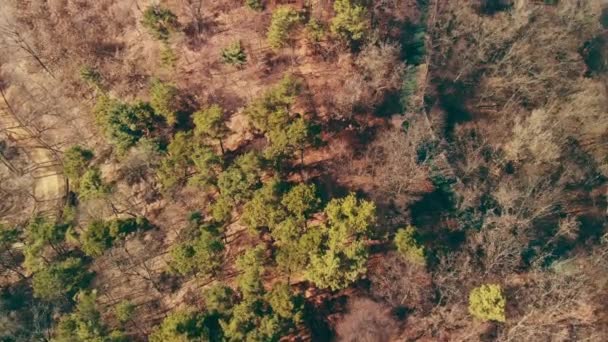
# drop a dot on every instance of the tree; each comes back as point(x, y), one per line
point(92, 185)
point(341, 258)
point(159, 21)
point(219, 300)
point(284, 304)
point(487, 303)
point(352, 216)
point(251, 267)
point(234, 184)
point(203, 256)
point(382, 72)
point(208, 166)
point(270, 115)
point(10, 258)
point(42, 231)
point(84, 324)
point(141, 162)
point(263, 210)
point(210, 124)
point(96, 238)
point(366, 320)
point(221, 209)
point(242, 322)
point(292, 258)
point(402, 284)
point(337, 269)
point(284, 19)
point(407, 245)
point(76, 160)
point(391, 163)
point(289, 138)
point(181, 326)
point(301, 201)
point(174, 168)
point(60, 279)
point(164, 98)
point(101, 235)
point(234, 54)
point(295, 247)
point(239, 180)
point(264, 318)
point(350, 22)
point(40, 234)
point(124, 124)
point(408, 90)
point(272, 108)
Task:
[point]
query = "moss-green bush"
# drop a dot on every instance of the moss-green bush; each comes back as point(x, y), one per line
point(407, 245)
point(255, 5)
point(487, 303)
point(159, 21)
point(234, 54)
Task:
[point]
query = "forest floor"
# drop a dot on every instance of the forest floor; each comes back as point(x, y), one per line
point(50, 185)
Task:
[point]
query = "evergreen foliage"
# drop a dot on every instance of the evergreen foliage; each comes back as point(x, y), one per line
point(159, 21)
point(350, 22)
point(284, 19)
point(487, 303)
point(407, 245)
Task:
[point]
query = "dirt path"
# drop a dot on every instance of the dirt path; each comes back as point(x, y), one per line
point(50, 185)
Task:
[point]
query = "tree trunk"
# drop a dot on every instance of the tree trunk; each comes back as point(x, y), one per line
point(221, 146)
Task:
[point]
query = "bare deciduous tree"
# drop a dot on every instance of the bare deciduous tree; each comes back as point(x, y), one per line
point(401, 284)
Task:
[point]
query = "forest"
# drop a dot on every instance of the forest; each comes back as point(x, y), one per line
point(303, 170)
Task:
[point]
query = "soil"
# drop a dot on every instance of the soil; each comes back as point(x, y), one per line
point(50, 185)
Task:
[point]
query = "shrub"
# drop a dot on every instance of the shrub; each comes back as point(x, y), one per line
point(284, 19)
point(487, 303)
point(90, 76)
point(159, 21)
point(234, 54)
point(124, 311)
point(255, 5)
point(407, 245)
point(315, 30)
point(168, 57)
point(409, 88)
